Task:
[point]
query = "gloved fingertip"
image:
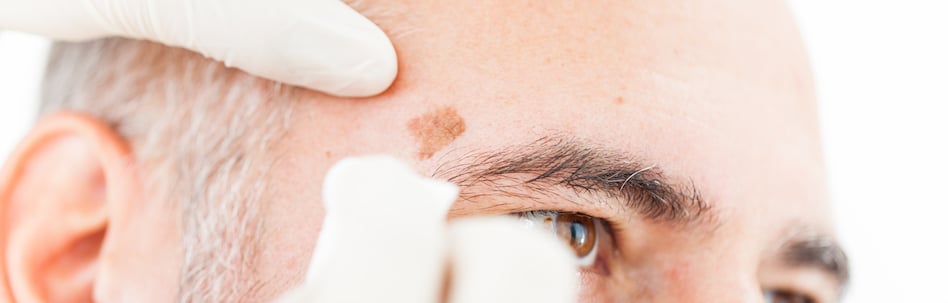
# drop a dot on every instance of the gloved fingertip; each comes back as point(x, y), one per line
point(365, 182)
point(373, 76)
point(350, 55)
point(496, 259)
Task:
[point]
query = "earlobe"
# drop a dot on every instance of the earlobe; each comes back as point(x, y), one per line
point(58, 195)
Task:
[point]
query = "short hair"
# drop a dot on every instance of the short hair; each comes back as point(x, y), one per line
point(200, 133)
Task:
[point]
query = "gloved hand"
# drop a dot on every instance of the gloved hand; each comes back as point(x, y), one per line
point(319, 44)
point(385, 239)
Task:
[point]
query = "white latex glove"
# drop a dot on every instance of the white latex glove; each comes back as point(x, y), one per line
point(319, 44)
point(385, 239)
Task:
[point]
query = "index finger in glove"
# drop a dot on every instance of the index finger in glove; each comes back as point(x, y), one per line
point(57, 19)
point(318, 44)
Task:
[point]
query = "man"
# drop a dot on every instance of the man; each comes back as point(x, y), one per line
point(681, 136)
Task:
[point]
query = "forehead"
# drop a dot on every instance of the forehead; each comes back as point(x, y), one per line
point(706, 90)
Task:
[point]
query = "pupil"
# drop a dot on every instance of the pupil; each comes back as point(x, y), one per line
point(578, 233)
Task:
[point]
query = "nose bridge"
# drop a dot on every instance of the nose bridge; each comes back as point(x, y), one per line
point(717, 294)
point(713, 289)
point(712, 280)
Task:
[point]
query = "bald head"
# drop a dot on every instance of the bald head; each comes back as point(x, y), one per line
point(701, 112)
point(594, 108)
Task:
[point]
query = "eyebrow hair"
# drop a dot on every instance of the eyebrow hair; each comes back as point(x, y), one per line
point(584, 167)
point(821, 252)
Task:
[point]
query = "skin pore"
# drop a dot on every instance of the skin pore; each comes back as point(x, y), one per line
point(687, 127)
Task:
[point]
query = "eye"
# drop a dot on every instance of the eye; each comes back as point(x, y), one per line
point(580, 232)
point(785, 296)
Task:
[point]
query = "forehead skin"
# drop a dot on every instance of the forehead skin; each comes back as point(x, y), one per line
point(715, 91)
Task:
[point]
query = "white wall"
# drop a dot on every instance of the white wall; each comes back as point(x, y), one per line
point(22, 58)
point(882, 71)
point(882, 68)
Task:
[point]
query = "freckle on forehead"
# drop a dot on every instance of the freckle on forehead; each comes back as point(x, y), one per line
point(436, 129)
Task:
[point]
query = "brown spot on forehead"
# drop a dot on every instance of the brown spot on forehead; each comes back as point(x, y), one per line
point(436, 129)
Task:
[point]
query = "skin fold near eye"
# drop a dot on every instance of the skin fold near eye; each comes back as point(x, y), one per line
point(781, 296)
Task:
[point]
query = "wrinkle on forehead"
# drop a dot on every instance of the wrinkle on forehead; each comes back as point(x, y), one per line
point(436, 129)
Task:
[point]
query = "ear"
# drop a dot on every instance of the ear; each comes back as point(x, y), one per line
point(58, 193)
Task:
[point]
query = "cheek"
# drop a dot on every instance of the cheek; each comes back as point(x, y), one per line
point(292, 215)
point(676, 273)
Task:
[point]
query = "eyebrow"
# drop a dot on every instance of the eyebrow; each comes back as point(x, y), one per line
point(583, 167)
point(820, 252)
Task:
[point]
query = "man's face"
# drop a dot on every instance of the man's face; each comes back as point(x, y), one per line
point(711, 102)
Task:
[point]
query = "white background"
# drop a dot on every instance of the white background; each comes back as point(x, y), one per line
point(882, 69)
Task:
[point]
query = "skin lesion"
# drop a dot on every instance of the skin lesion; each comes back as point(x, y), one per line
point(435, 130)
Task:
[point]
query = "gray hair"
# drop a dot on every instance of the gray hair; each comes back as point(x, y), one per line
point(200, 134)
